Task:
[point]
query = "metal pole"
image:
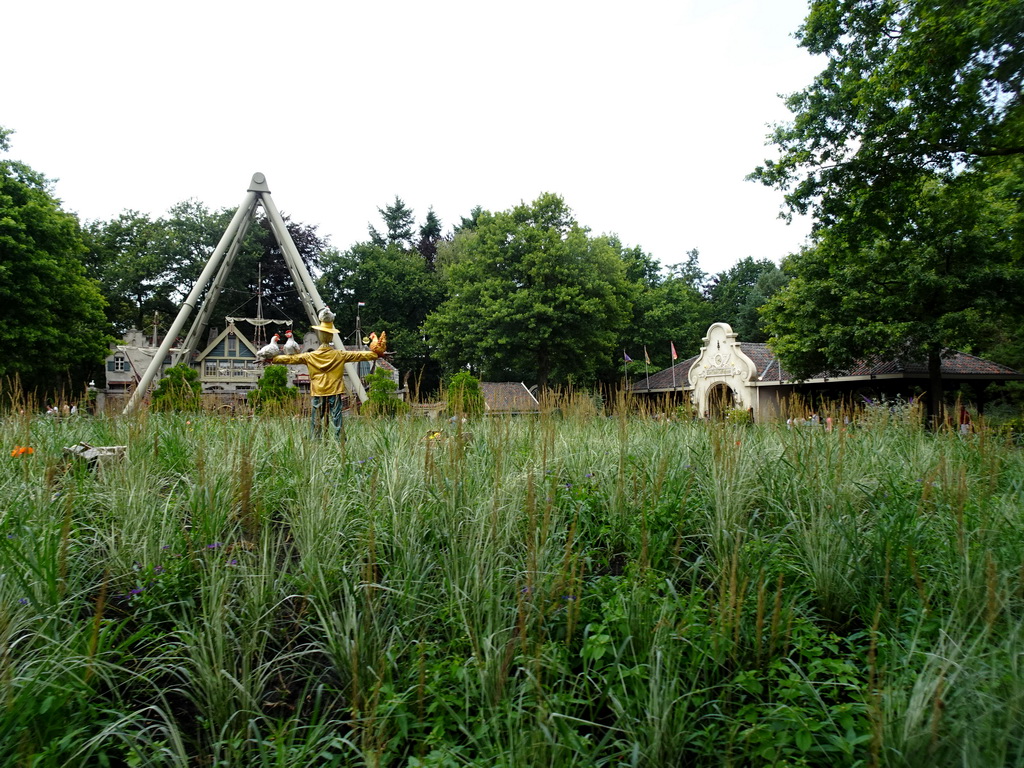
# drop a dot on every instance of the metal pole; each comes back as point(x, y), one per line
point(202, 321)
point(305, 283)
point(190, 302)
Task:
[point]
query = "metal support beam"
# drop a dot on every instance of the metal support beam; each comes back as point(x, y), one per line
point(308, 293)
point(193, 341)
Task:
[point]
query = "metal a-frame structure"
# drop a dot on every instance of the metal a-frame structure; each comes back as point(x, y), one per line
point(215, 275)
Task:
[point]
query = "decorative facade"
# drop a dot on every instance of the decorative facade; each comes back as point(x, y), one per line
point(730, 374)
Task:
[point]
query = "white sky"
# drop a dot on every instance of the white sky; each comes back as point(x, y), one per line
point(644, 116)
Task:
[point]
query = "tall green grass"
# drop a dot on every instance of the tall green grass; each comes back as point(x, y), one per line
point(565, 590)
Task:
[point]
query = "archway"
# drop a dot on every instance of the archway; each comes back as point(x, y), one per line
point(719, 401)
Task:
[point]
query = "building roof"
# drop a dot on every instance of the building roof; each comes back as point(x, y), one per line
point(663, 380)
point(955, 365)
point(508, 397)
point(216, 349)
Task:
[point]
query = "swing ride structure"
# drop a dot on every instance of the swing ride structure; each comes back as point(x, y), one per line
point(211, 282)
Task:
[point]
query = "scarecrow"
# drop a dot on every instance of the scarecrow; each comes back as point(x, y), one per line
point(326, 366)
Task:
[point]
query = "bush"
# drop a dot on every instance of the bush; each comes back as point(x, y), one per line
point(179, 390)
point(272, 390)
point(381, 397)
point(465, 396)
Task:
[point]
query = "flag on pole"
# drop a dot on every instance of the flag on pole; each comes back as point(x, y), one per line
point(361, 304)
point(647, 358)
point(674, 355)
point(626, 358)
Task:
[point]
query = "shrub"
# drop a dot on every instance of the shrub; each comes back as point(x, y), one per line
point(179, 390)
point(272, 390)
point(381, 397)
point(465, 396)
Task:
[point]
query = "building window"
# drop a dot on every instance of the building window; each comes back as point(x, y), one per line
point(119, 364)
point(232, 346)
point(211, 368)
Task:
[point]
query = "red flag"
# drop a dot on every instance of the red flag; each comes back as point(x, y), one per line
point(674, 355)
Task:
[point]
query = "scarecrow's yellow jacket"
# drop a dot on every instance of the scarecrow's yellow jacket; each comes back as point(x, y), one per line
point(326, 367)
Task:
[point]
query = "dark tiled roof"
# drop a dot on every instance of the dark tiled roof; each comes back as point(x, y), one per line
point(766, 364)
point(508, 397)
point(663, 379)
point(954, 365)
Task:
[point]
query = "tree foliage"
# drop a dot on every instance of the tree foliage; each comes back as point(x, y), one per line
point(909, 87)
point(907, 148)
point(906, 297)
point(736, 294)
point(531, 296)
point(399, 223)
point(148, 265)
point(668, 308)
point(47, 302)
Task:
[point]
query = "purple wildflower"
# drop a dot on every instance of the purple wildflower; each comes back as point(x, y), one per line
point(215, 545)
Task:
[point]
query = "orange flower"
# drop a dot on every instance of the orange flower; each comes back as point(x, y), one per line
point(22, 450)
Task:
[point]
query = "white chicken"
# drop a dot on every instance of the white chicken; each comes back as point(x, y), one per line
point(291, 346)
point(271, 350)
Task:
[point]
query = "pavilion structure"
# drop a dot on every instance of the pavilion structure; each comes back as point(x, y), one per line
point(730, 374)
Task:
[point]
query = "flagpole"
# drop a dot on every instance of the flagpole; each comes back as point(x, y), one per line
point(647, 369)
point(672, 344)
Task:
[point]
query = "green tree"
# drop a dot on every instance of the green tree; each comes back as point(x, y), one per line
point(399, 222)
point(736, 294)
point(179, 390)
point(667, 308)
point(532, 297)
point(750, 322)
point(47, 302)
point(467, 223)
point(909, 86)
point(430, 236)
point(128, 258)
point(399, 291)
point(903, 149)
point(906, 297)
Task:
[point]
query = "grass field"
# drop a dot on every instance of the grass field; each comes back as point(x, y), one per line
point(567, 590)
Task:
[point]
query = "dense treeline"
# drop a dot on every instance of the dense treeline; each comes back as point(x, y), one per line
point(526, 294)
point(914, 176)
